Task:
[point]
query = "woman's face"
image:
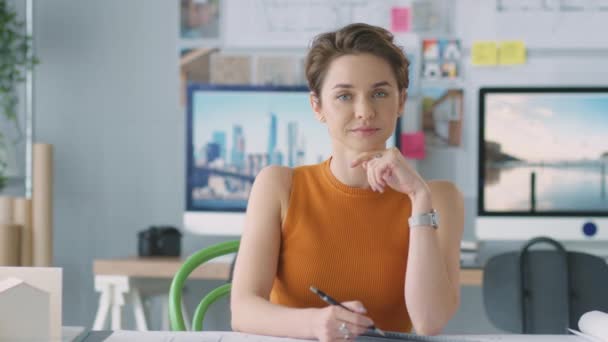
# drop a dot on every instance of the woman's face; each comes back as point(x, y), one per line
point(359, 102)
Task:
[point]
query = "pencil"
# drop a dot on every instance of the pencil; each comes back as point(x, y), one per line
point(329, 300)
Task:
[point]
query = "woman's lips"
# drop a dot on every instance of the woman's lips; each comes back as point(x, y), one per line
point(365, 131)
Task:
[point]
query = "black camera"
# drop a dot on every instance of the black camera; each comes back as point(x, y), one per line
point(159, 241)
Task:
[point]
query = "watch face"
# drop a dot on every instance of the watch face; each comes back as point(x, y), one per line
point(434, 218)
point(434, 221)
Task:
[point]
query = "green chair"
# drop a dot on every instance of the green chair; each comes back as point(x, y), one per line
point(177, 285)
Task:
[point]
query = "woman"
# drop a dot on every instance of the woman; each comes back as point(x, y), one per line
point(342, 225)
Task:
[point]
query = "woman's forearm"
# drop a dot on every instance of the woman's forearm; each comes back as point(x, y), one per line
point(257, 315)
point(430, 294)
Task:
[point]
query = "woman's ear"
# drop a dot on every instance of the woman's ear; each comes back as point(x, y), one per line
point(315, 103)
point(402, 100)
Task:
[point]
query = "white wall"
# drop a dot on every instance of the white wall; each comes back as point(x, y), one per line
point(106, 96)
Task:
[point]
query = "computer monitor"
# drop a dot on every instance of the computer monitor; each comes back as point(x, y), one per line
point(543, 163)
point(232, 133)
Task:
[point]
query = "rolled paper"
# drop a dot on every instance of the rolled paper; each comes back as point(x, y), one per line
point(9, 244)
point(23, 217)
point(6, 209)
point(42, 205)
point(594, 323)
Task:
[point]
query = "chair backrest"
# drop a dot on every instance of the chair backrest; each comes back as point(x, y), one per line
point(543, 291)
point(175, 293)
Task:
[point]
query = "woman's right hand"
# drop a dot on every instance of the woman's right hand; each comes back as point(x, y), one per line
point(334, 323)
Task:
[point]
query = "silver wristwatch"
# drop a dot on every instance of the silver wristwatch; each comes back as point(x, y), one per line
point(427, 219)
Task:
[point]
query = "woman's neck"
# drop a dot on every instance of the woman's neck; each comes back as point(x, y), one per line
point(352, 176)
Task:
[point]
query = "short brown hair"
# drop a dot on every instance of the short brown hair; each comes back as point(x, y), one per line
point(354, 39)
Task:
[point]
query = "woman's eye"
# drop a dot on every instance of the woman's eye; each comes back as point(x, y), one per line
point(344, 97)
point(380, 94)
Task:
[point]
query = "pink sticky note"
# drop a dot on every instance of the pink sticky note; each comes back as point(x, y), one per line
point(412, 145)
point(400, 19)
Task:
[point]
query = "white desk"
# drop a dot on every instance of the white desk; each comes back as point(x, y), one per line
point(217, 336)
point(130, 280)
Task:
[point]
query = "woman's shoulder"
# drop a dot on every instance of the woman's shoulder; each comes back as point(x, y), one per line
point(275, 170)
point(284, 174)
point(444, 189)
point(278, 176)
point(282, 177)
point(276, 180)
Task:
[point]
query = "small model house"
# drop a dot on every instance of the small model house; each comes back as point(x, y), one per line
point(24, 311)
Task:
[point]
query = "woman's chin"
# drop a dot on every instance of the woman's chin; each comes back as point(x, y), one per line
point(362, 148)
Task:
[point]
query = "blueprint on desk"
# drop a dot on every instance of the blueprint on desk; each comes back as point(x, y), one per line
point(226, 336)
point(391, 336)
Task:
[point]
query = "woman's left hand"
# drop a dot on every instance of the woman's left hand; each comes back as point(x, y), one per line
point(389, 168)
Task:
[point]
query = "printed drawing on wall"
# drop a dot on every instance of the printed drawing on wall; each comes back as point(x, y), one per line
point(442, 114)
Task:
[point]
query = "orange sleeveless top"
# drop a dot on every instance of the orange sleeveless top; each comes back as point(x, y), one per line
point(351, 243)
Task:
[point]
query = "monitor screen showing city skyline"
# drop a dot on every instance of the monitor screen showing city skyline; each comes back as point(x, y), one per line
point(234, 132)
point(544, 151)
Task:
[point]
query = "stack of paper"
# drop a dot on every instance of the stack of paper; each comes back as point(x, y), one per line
point(469, 254)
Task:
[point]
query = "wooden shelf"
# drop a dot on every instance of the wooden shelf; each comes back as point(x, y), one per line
point(164, 267)
point(471, 277)
point(160, 267)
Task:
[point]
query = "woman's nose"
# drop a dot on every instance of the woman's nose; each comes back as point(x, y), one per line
point(364, 109)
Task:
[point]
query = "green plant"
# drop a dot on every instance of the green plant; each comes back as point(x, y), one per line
point(15, 58)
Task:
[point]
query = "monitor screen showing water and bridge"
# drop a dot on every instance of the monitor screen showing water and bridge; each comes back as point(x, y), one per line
point(543, 163)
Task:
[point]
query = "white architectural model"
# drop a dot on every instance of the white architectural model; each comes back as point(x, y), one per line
point(30, 303)
point(24, 311)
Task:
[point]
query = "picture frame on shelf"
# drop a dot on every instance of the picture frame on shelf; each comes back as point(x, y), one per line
point(441, 59)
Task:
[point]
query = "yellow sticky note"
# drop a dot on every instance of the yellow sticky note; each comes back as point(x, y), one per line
point(512, 52)
point(484, 53)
